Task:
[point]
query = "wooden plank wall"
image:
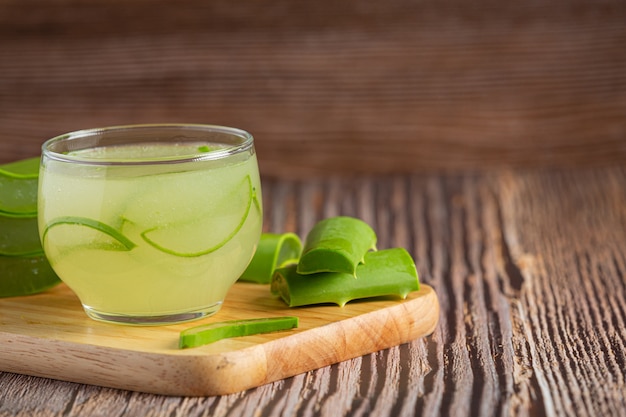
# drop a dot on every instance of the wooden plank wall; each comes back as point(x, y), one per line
point(328, 87)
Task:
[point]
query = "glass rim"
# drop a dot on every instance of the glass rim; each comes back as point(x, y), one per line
point(247, 142)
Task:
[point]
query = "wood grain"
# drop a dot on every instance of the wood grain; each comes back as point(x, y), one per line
point(49, 335)
point(529, 269)
point(364, 87)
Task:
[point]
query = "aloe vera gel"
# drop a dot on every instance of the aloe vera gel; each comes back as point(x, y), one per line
point(150, 224)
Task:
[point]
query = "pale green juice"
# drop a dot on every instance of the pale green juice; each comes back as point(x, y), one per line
point(150, 240)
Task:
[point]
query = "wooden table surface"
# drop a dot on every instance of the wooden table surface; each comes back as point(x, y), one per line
point(488, 139)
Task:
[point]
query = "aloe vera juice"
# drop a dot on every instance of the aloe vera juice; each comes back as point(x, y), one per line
point(150, 240)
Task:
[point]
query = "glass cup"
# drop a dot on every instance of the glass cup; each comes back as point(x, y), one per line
point(150, 224)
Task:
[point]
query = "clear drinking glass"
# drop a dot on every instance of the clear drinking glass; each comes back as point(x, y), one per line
point(150, 224)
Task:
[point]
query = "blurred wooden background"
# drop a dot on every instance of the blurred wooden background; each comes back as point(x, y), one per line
point(328, 87)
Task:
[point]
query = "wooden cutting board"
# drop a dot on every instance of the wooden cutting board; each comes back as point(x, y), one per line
point(49, 335)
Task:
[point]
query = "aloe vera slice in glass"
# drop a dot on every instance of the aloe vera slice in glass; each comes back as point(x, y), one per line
point(19, 235)
point(199, 242)
point(209, 333)
point(112, 238)
point(336, 244)
point(273, 251)
point(20, 275)
point(388, 272)
point(18, 186)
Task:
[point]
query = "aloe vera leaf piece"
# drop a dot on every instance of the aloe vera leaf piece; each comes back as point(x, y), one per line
point(19, 235)
point(24, 168)
point(273, 251)
point(126, 244)
point(389, 272)
point(21, 275)
point(152, 241)
point(18, 196)
point(336, 244)
point(209, 333)
point(18, 186)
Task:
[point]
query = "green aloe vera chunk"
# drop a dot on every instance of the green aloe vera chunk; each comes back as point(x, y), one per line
point(158, 237)
point(18, 186)
point(209, 333)
point(24, 168)
point(336, 244)
point(388, 272)
point(20, 275)
point(274, 251)
point(19, 235)
point(123, 243)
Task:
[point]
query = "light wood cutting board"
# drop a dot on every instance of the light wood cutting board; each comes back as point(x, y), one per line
point(49, 335)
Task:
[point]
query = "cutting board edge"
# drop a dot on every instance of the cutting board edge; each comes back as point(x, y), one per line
point(221, 373)
point(390, 324)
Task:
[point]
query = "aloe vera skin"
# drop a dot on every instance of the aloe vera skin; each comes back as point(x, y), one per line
point(273, 251)
point(25, 275)
point(336, 244)
point(210, 333)
point(19, 235)
point(23, 169)
point(389, 272)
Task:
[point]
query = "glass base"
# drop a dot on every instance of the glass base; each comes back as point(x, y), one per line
point(155, 320)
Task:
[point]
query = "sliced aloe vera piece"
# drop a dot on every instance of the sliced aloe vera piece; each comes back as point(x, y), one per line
point(19, 235)
point(196, 241)
point(18, 186)
point(336, 244)
point(24, 168)
point(274, 251)
point(21, 275)
point(117, 240)
point(209, 333)
point(389, 272)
